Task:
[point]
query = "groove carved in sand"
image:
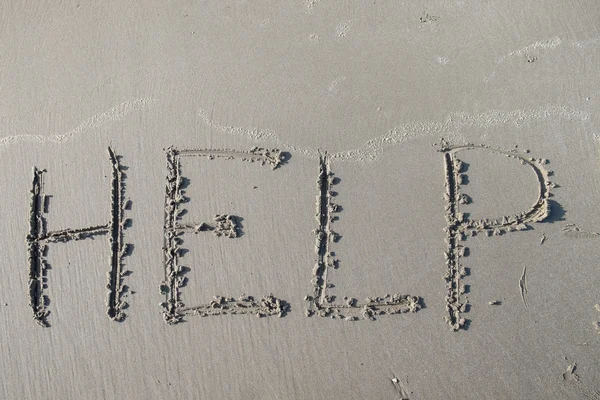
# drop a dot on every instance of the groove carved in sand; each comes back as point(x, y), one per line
point(225, 225)
point(119, 248)
point(39, 238)
point(572, 231)
point(174, 310)
point(322, 304)
point(459, 227)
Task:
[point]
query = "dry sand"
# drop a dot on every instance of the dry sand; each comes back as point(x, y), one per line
point(300, 200)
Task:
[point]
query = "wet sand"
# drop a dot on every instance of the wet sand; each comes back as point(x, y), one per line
point(300, 200)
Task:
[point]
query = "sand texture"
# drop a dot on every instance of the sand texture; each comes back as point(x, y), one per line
point(301, 199)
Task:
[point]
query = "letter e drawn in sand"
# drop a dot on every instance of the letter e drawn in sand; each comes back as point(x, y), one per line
point(174, 310)
point(459, 227)
point(39, 238)
point(319, 302)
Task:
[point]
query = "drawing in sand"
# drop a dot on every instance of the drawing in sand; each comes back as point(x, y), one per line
point(459, 227)
point(39, 238)
point(225, 225)
point(319, 302)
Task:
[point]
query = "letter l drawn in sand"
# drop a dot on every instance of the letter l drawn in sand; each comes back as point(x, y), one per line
point(319, 302)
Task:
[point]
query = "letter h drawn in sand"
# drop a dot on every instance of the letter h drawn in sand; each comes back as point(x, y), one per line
point(39, 238)
point(322, 304)
point(174, 310)
point(459, 227)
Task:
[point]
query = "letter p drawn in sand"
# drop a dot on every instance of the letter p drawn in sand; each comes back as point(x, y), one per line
point(459, 227)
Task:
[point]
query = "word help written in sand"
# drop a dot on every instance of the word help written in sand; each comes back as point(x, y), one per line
point(458, 228)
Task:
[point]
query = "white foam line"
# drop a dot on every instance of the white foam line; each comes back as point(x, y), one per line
point(257, 135)
point(582, 44)
point(541, 44)
point(116, 113)
point(453, 124)
point(309, 5)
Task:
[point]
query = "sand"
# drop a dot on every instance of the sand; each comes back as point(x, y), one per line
point(300, 200)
